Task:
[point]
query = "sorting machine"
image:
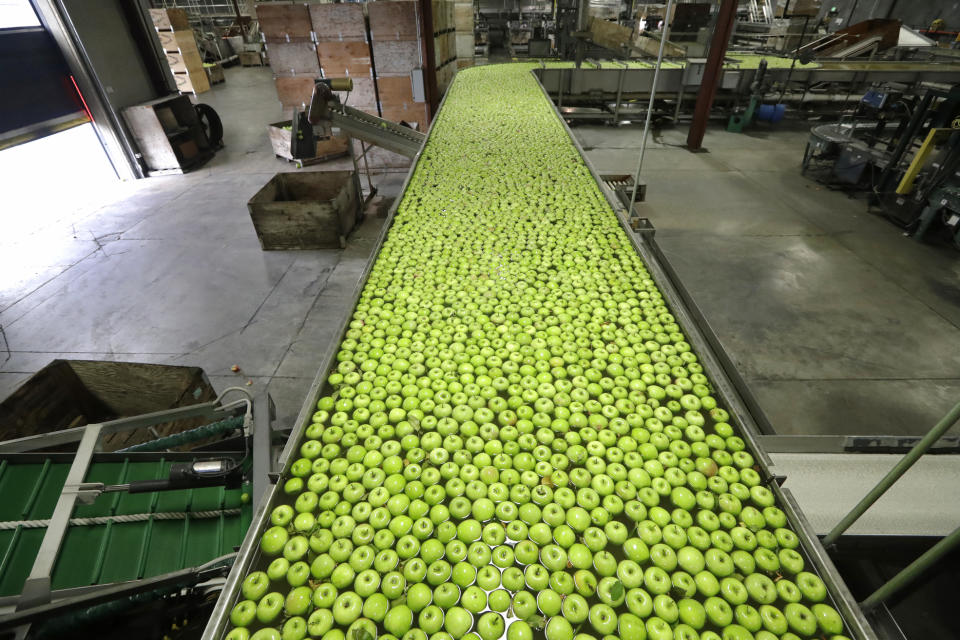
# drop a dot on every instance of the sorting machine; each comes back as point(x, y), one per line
point(727, 382)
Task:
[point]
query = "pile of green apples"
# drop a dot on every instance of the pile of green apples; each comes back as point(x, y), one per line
point(518, 442)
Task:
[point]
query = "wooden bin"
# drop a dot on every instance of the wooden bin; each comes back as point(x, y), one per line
point(312, 210)
point(327, 148)
point(73, 393)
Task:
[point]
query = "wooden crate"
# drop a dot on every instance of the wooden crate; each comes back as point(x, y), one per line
point(336, 22)
point(414, 113)
point(327, 148)
point(363, 96)
point(169, 19)
point(294, 91)
point(177, 41)
point(393, 58)
point(344, 58)
point(294, 58)
point(311, 210)
point(393, 20)
point(465, 45)
point(73, 393)
point(214, 72)
point(250, 58)
point(192, 82)
point(395, 91)
point(440, 52)
point(285, 22)
point(463, 17)
point(184, 61)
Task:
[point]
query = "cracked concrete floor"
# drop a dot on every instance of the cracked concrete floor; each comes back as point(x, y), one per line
point(838, 323)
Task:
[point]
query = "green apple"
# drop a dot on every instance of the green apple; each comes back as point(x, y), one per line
point(491, 626)
point(430, 619)
point(707, 584)
point(375, 607)
point(298, 601)
point(658, 629)
point(243, 613)
point(457, 621)
point(524, 605)
point(788, 591)
point(630, 627)
point(773, 620)
point(520, 630)
point(748, 617)
point(269, 607)
point(319, 622)
point(718, 611)
point(557, 628)
point(398, 620)
point(255, 585)
point(811, 586)
point(273, 540)
point(602, 618)
point(691, 612)
point(800, 619)
point(828, 619)
point(347, 608)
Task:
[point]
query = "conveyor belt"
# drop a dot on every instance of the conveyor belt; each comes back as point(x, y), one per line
point(525, 135)
point(383, 133)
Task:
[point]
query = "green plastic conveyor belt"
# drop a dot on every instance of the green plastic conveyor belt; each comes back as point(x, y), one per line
point(114, 551)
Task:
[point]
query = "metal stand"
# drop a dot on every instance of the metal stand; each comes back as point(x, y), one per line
point(653, 96)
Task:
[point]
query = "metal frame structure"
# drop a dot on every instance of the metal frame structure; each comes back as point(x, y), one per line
point(613, 85)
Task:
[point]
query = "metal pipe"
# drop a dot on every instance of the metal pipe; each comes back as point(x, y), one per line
point(653, 95)
point(726, 16)
point(912, 571)
point(894, 474)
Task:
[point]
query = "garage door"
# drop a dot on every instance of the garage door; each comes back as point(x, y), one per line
point(38, 93)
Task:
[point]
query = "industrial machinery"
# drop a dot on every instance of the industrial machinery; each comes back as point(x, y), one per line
point(327, 111)
point(903, 151)
point(729, 389)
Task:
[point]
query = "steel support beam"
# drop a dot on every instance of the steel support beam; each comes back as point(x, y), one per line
point(726, 16)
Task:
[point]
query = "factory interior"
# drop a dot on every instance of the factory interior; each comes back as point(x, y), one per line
point(480, 319)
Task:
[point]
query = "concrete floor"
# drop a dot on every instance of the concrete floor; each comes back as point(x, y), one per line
point(838, 323)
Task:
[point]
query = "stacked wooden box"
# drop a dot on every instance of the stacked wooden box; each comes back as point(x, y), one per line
point(398, 59)
point(180, 48)
point(444, 42)
point(344, 50)
point(288, 34)
point(463, 24)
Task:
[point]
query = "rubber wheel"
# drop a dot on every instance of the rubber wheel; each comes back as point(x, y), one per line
point(211, 124)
